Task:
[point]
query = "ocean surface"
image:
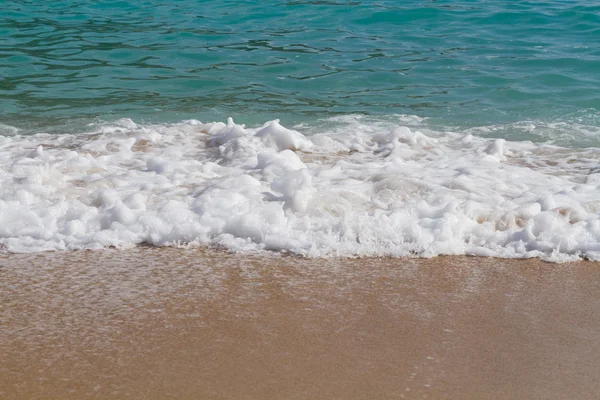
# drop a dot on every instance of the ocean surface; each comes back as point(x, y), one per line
point(319, 128)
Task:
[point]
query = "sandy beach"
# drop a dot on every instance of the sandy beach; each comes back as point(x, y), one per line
point(157, 323)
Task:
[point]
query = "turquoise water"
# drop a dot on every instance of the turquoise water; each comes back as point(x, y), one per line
point(464, 63)
point(406, 128)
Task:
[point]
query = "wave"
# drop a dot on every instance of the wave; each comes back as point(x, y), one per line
point(346, 186)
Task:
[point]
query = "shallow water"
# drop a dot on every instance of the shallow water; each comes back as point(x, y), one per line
point(466, 62)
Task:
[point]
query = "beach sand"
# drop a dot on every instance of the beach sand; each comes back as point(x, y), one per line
point(159, 323)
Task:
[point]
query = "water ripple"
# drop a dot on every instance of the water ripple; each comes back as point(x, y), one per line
point(452, 60)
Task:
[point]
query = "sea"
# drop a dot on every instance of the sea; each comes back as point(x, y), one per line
point(321, 128)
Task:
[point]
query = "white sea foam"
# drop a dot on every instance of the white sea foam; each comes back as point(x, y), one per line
point(350, 186)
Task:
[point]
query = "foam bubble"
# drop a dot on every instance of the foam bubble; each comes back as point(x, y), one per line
point(350, 186)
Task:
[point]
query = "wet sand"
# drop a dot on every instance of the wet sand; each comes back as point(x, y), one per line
point(152, 323)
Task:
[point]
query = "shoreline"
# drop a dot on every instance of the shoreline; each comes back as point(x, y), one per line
point(158, 323)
